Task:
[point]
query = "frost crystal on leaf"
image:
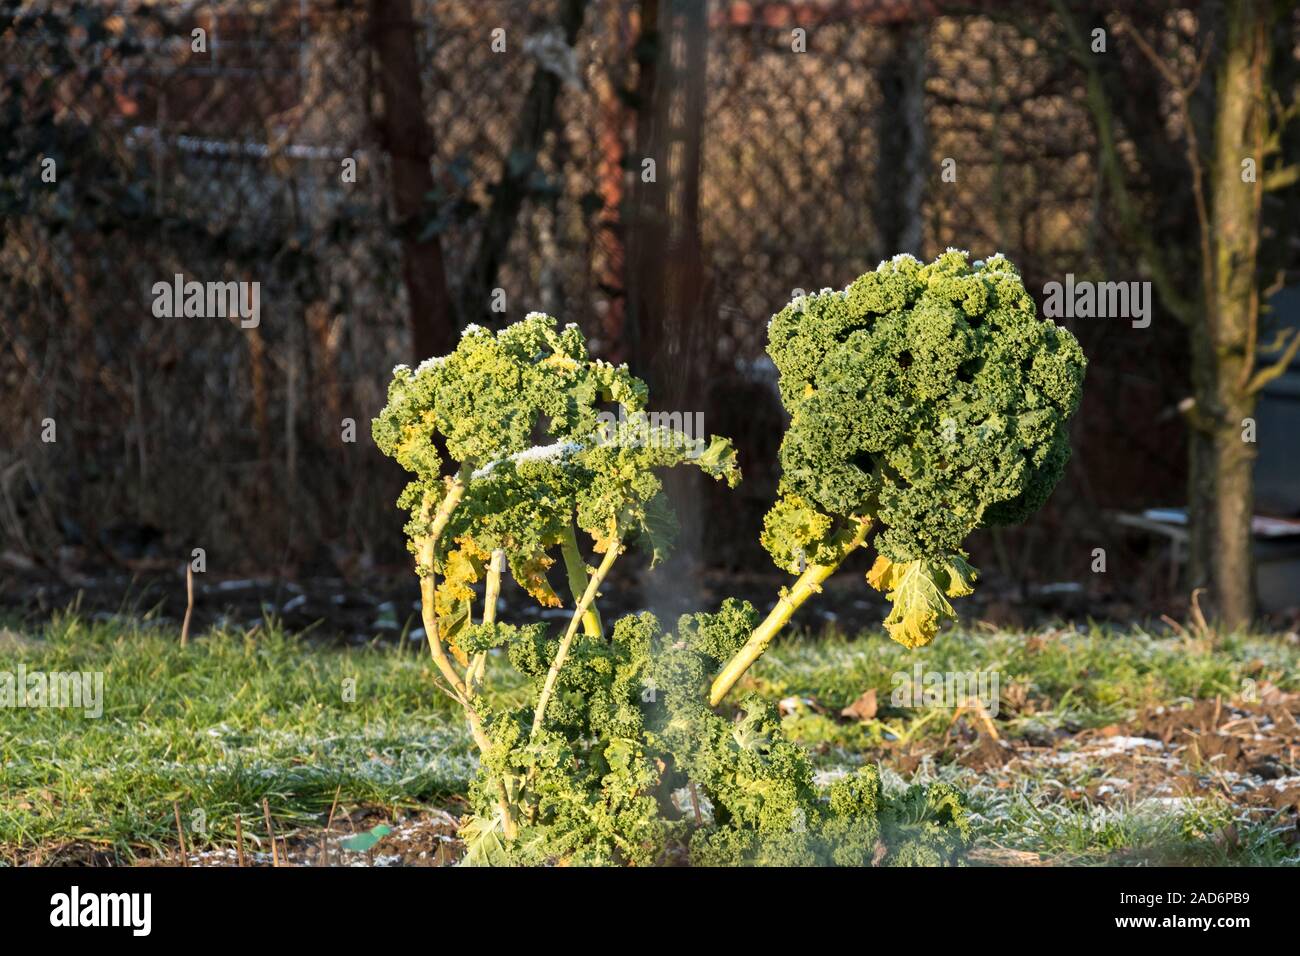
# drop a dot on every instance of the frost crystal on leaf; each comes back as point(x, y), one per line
point(553, 452)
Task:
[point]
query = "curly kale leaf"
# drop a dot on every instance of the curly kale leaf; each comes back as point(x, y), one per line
point(928, 825)
point(623, 496)
point(488, 396)
point(487, 402)
point(484, 637)
point(632, 729)
point(719, 635)
point(796, 534)
point(928, 397)
point(919, 592)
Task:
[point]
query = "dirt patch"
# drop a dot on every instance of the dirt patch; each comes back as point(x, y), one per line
point(427, 838)
point(1245, 751)
point(424, 838)
point(1259, 737)
point(986, 754)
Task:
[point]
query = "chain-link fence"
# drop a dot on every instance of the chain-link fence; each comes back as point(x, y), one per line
point(824, 136)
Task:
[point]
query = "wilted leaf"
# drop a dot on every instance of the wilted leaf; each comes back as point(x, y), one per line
point(864, 708)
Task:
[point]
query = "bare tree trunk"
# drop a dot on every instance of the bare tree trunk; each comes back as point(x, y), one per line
point(405, 135)
point(668, 317)
point(1222, 318)
point(1201, 469)
point(1233, 315)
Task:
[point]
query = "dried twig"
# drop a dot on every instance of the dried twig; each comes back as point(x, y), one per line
point(239, 839)
point(270, 832)
point(695, 804)
point(189, 604)
point(975, 706)
point(180, 834)
point(1198, 618)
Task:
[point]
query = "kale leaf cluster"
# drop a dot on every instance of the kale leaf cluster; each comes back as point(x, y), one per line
point(926, 401)
point(631, 752)
point(929, 399)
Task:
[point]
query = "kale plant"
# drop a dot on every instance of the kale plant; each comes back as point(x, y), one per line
point(926, 401)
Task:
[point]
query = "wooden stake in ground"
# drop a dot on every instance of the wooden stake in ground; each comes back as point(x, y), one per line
point(270, 832)
point(189, 604)
point(180, 834)
point(239, 839)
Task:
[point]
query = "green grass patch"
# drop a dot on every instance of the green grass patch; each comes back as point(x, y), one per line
point(237, 717)
point(1073, 678)
point(217, 726)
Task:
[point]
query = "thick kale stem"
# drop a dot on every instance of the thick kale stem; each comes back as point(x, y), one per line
point(588, 595)
point(428, 547)
point(809, 583)
point(461, 691)
point(491, 592)
point(576, 569)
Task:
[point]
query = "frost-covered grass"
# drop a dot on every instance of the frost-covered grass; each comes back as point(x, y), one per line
point(239, 716)
point(217, 726)
point(1086, 677)
point(1066, 800)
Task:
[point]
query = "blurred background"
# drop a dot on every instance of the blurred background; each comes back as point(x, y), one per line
point(382, 168)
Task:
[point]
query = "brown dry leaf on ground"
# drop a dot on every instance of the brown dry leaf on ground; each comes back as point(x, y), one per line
point(1258, 737)
point(863, 709)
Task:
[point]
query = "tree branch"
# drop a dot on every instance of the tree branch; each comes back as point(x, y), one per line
point(1276, 368)
point(1183, 90)
point(1112, 169)
point(1278, 179)
point(536, 118)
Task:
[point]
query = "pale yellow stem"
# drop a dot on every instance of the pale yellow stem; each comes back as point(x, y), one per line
point(459, 689)
point(588, 595)
point(809, 583)
point(491, 593)
point(427, 549)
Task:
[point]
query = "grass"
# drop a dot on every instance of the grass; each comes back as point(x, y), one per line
point(237, 717)
point(217, 727)
point(1087, 678)
point(1069, 681)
